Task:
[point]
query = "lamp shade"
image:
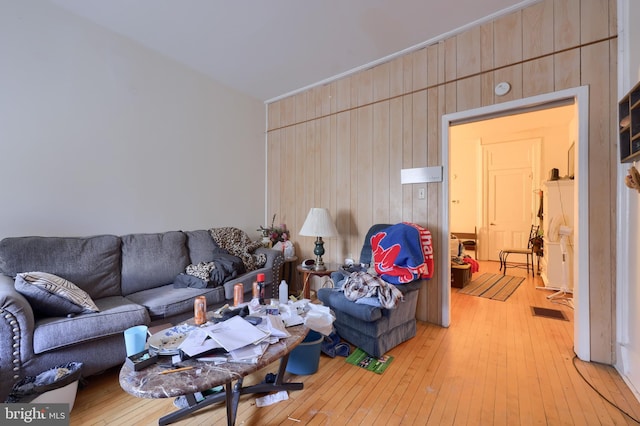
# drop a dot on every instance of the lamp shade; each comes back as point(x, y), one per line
point(319, 224)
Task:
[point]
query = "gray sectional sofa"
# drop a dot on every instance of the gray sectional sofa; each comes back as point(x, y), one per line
point(130, 278)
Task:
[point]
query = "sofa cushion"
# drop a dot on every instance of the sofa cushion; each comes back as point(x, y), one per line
point(52, 295)
point(167, 301)
point(406, 309)
point(335, 300)
point(152, 260)
point(201, 246)
point(116, 315)
point(91, 263)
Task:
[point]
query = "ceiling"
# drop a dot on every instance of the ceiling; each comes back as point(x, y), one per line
point(271, 48)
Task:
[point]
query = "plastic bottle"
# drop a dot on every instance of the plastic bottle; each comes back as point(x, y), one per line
point(283, 292)
point(261, 285)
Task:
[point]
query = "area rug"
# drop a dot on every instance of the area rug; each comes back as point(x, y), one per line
point(368, 362)
point(548, 313)
point(493, 286)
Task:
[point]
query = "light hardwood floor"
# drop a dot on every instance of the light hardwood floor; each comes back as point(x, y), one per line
point(496, 364)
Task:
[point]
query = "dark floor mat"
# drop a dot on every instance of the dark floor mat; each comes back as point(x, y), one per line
point(548, 313)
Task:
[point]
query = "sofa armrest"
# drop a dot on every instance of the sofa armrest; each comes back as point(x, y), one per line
point(272, 270)
point(16, 330)
point(275, 260)
point(272, 255)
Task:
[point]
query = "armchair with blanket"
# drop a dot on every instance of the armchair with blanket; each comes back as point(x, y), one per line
point(375, 305)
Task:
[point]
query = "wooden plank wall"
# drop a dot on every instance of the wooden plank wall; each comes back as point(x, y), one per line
point(342, 145)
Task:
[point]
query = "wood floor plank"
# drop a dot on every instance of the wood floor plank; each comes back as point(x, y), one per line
point(496, 364)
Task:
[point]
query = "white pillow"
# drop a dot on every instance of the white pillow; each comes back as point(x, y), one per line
point(51, 295)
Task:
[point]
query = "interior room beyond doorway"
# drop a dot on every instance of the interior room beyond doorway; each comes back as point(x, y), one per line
point(519, 149)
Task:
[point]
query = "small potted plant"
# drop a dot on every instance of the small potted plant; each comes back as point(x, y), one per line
point(273, 235)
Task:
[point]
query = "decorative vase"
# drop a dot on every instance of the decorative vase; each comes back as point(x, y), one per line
point(266, 241)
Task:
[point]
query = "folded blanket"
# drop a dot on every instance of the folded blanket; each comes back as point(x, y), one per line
point(362, 285)
point(475, 266)
point(238, 243)
point(224, 267)
point(403, 253)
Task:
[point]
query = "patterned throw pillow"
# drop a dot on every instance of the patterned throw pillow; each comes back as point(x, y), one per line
point(51, 295)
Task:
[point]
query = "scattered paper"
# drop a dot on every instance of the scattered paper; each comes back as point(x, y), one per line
point(235, 333)
point(271, 399)
point(291, 318)
point(216, 359)
point(320, 319)
point(276, 326)
point(197, 342)
point(249, 354)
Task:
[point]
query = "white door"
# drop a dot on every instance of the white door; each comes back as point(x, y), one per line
point(510, 172)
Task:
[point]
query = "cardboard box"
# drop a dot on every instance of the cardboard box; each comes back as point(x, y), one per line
point(141, 360)
point(460, 275)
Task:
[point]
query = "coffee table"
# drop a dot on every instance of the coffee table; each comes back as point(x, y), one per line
point(149, 383)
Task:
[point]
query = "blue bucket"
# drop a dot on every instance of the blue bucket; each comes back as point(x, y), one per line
point(304, 358)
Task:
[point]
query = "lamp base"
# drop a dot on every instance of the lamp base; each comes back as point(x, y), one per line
point(319, 266)
point(319, 251)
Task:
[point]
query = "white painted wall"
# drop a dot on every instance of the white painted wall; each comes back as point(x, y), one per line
point(101, 135)
point(628, 223)
point(465, 183)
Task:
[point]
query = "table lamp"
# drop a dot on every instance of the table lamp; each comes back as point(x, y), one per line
point(319, 224)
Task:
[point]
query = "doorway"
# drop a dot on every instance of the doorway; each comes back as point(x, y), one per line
point(510, 170)
point(579, 98)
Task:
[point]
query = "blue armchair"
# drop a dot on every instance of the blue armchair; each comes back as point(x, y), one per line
point(373, 329)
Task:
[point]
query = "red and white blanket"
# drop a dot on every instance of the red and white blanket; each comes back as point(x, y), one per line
point(403, 253)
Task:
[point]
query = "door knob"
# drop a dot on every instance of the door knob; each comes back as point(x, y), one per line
point(492, 224)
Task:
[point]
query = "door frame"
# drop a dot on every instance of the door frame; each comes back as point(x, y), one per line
point(580, 97)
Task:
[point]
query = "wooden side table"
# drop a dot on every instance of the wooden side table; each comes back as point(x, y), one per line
point(308, 273)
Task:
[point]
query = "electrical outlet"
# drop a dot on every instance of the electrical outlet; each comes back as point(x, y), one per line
point(421, 193)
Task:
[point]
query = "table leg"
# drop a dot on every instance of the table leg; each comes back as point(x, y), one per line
point(306, 291)
point(193, 406)
point(278, 385)
point(231, 396)
point(232, 400)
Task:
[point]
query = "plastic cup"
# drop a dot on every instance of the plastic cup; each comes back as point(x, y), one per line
point(135, 339)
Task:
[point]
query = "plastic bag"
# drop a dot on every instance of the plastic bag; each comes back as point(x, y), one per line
point(286, 247)
point(320, 319)
point(30, 387)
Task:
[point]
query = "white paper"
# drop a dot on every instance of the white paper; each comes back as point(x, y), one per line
point(196, 343)
point(249, 353)
point(292, 319)
point(270, 399)
point(235, 333)
point(320, 319)
point(216, 359)
point(276, 326)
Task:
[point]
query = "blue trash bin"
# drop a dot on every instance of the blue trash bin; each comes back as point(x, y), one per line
point(305, 358)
